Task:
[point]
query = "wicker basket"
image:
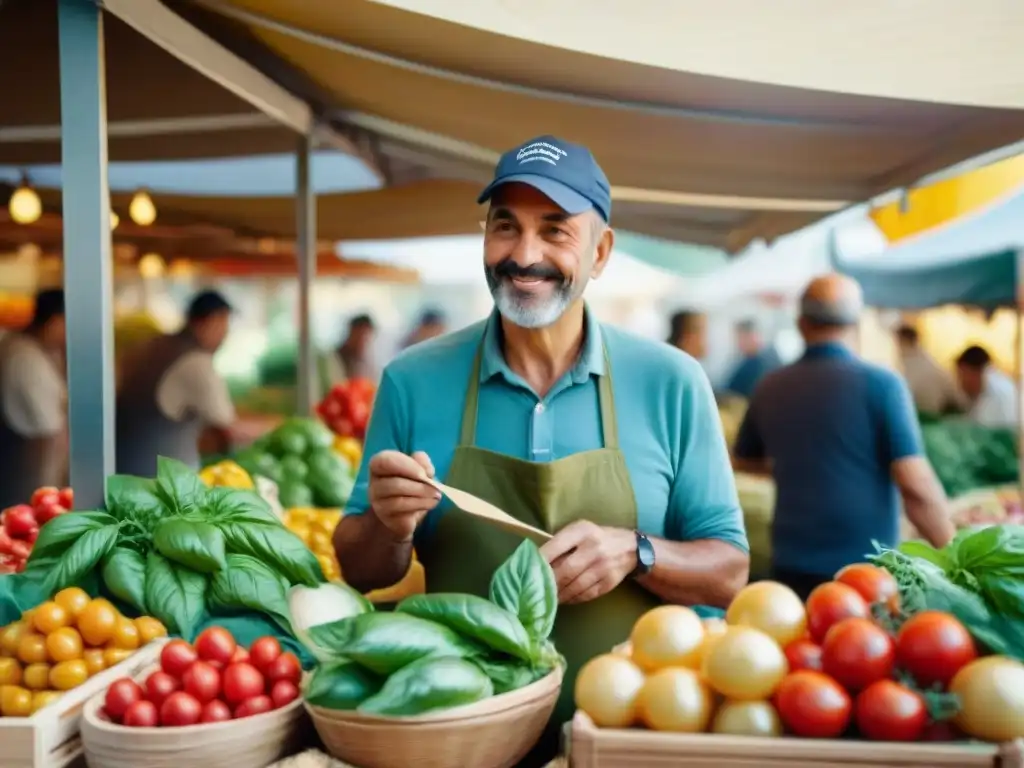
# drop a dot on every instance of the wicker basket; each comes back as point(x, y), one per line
point(253, 742)
point(494, 733)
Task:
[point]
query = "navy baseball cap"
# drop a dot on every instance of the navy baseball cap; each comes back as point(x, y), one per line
point(565, 172)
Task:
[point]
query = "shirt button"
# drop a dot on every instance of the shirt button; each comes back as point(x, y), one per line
point(539, 408)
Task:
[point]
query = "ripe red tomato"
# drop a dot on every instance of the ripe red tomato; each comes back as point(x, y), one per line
point(255, 705)
point(160, 685)
point(215, 711)
point(933, 646)
point(5, 542)
point(283, 692)
point(803, 654)
point(120, 695)
point(856, 653)
point(20, 549)
point(242, 681)
point(215, 644)
point(46, 511)
point(813, 705)
point(202, 681)
point(44, 493)
point(240, 654)
point(829, 604)
point(67, 498)
point(180, 709)
point(285, 667)
point(176, 657)
point(888, 711)
point(19, 520)
point(874, 584)
point(141, 714)
point(264, 652)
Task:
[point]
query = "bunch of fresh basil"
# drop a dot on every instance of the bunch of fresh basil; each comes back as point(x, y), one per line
point(174, 549)
point(437, 651)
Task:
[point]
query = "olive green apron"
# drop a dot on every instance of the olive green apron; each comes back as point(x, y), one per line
point(463, 552)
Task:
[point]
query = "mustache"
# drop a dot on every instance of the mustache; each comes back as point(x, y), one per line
point(508, 268)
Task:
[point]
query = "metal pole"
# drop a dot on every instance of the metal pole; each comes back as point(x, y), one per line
point(87, 252)
point(305, 250)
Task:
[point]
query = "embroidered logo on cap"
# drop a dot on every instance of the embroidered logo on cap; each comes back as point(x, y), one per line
point(542, 151)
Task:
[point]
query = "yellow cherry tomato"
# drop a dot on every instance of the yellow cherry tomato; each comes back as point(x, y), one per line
point(94, 661)
point(10, 636)
point(42, 698)
point(15, 701)
point(126, 635)
point(97, 622)
point(37, 677)
point(73, 600)
point(64, 644)
point(149, 629)
point(32, 648)
point(68, 675)
point(10, 672)
point(320, 542)
point(113, 656)
point(50, 616)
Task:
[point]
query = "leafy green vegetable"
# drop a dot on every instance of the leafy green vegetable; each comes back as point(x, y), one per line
point(81, 557)
point(475, 618)
point(294, 495)
point(248, 583)
point(124, 573)
point(525, 586)
point(386, 642)
point(341, 685)
point(135, 497)
point(178, 487)
point(276, 545)
point(429, 684)
point(192, 543)
point(64, 530)
point(508, 674)
point(236, 505)
point(174, 594)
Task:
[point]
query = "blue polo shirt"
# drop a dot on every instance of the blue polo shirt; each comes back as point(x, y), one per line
point(668, 423)
point(832, 425)
point(751, 370)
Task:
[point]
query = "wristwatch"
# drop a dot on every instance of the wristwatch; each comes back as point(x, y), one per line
point(644, 555)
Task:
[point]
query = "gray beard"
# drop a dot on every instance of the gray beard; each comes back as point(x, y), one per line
point(528, 311)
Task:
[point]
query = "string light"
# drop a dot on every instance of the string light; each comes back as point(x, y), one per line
point(25, 206)
point(142, 210)
point(151, 266)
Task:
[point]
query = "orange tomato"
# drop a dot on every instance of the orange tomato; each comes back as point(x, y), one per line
point(97, 622)
point(32, 648)
point(64, 644)
point(73, 600)
point(94, 662)
point(149, 629)
point(126, 635)
point(10, 672)
point(15, 701)
point(50, 617)
point(112, 656)
point(37, 677)
point(10, 636)
point(68, 675)
point(41, 698)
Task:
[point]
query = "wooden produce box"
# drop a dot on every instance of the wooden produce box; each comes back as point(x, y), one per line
point(49, 738)
point(593, 747)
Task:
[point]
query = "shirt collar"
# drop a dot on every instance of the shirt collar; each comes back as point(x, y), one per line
point(826, 349)
point(590, 362)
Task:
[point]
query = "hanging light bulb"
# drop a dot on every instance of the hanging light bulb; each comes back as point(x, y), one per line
point(141, 209)
point(151, 266)
point(114, 220)
point(25, 206)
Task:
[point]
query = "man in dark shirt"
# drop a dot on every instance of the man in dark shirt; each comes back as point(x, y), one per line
point(757, 360)
point(841, 439)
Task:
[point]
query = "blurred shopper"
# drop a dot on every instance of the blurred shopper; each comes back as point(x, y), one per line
point(170, 392)
point(840, 437)
point(688, 332)
point(931, 385)
point(758, 360)
point(431, 324)
point(992, 395)
point(33, 449)
point(354, 358)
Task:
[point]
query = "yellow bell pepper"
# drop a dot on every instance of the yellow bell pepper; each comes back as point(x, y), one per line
point(226, 474)
point(350, 449)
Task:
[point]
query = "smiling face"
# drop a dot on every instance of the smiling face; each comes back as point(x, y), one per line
point(537, 258)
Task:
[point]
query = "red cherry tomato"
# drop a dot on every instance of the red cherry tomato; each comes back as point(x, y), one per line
point(256, 705)
point(803, 654)
point(242, 681)
point(829, 604)
point(120, 695)
point(856, 653)
point(44, 493)
point(180, 709)
point(933, 646)
point(283, 692)
point(202, 681)
point(215, 644)
point(888, 711)
point(285, 667)
point(813, 705)
point(176, 657)
point(240, 654)
point(20, 550)
point(19, 520)
point(32, 536)
point(67, 498)
point(141, 714)
point(874, 584)
point(215, 711)
point(160, 685)
point(5, 542)
point(46, 511)
point(264, 652)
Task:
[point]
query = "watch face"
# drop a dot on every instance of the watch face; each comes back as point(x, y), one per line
point(644, 553)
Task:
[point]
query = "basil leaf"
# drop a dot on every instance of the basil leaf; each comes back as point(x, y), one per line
point(341, 685)
point(475, 618)
point(249, 584)
point(927, 552)
point(196, 545)
point(56, 536)
point(506, 674)
point(276, 546)
point(174, 594)
point(81, 557)
point(178, 487)
point(124, 574)
point(238, 506)
point(525, 585)
point(429, 684)
point(130, 497)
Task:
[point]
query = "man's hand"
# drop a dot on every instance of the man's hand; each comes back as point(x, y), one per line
point(589, 560)
point(398, 496)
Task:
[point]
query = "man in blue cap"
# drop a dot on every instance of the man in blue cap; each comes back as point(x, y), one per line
point(635, 486)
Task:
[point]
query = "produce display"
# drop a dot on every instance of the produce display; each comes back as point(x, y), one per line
point(967, 456)
point(315, 527)
point(299, 457)
point(60, 644)
point(855, 660)
point(212, 681)
point(989, 506)
point(346, 408)
point(433, 651)
point(226, 474)
point(172, 548)
point(19, 525)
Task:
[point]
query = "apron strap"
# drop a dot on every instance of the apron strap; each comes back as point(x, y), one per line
point(467, 435)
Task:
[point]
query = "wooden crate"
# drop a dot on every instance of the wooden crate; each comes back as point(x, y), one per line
point(593, 747)
point(49, 738)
